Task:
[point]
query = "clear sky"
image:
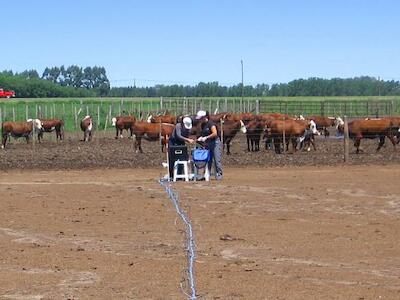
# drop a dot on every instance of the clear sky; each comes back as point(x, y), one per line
point(204, 40)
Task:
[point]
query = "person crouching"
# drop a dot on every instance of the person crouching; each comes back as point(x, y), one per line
point(179, 137)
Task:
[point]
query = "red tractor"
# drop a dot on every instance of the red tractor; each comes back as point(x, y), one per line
point(6, 94)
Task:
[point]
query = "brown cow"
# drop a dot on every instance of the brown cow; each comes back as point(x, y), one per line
point(121, 123)
point(151, 132)
point(254, 130)
point(291, 129)
point(245, 117)
point(19, 129)
point(272, 116)
point(50, 126)
point(170, 119)
point(87, 128)
point(218, 117)
point(369, 128)
point(230, 128)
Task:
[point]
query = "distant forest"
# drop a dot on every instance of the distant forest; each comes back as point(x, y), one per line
point(75, 81)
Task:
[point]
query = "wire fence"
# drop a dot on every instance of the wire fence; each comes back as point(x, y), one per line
point(102, 111)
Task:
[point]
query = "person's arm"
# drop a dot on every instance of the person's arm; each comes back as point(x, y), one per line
point(178, 130)
point(214, 133)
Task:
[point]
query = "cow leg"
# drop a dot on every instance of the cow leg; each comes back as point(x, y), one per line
point(228, 147)
point(392, 140)
point(4, 141)
point(248, 144)
point(117, 133)
point(381, 142)
point(357, 142)
point(312, 141)
point(287, 144)
point(258, 144)
point(40, 136)
point(277, 145)
point(138, 144)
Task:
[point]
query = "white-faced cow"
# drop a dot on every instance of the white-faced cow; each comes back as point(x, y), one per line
point(50, 126)
point(87, 128)
point(19, 129)
point(121, 123)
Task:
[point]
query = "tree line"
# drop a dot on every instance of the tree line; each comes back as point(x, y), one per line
point(71, 81)
point(75, 81)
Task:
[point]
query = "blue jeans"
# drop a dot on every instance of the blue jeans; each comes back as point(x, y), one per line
point(216, 156)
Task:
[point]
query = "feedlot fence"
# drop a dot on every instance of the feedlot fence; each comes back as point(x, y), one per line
point(102, 111)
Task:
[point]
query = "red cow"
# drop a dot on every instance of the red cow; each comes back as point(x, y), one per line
point(254, 130)
point(87, 128)
point(151, 132)
point(121, 123)
point(50, 126)
point(170, 119)
point(19, 129)
point(291, 129)
point(369, 128)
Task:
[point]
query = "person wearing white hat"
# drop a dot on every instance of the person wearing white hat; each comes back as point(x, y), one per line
point(181, 133)
point(179, 137)
point(211, 138)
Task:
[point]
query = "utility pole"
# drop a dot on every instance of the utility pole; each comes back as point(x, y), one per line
point(241, 61)
point(379, 86)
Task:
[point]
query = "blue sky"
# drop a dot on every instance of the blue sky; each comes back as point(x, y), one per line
point(190, 41)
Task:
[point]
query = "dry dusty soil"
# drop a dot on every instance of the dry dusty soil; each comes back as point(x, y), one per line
point(311, 232)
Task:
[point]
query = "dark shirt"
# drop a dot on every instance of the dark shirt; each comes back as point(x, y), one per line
point(178, 135)
point(206, 131)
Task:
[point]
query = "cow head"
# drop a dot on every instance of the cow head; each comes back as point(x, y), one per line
point(114, 121)
point(36, 124)
point(150, 119)
point(242, 127)
point(313, 127)
point(339, 124)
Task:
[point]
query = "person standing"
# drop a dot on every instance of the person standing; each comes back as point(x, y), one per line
point(211, 137)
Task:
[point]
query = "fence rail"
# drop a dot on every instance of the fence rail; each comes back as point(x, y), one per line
point(102, 111)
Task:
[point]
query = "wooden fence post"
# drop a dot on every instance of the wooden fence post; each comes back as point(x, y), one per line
point(346, 140)
point(98, 118)
point(257, 106)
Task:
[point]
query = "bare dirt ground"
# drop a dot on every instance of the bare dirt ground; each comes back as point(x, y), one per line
point(106, 152)
point(261, 233)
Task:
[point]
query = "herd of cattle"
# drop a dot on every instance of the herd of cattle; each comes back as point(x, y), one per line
point(277, 130)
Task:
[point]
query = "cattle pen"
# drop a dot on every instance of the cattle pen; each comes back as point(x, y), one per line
point(85, 220)
point(103, 109)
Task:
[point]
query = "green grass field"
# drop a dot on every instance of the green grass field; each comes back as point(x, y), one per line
point(72, 110)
